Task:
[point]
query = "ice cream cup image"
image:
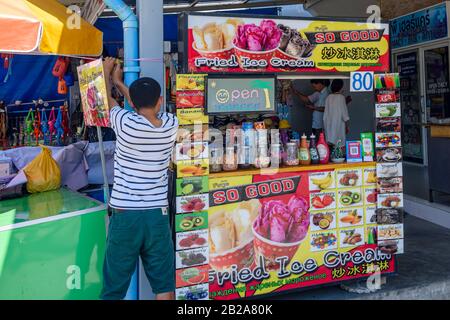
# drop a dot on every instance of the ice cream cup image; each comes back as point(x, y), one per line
point(231, 236)
point(285, 56)
point(279, 230)
point(242, 54)
point(272, 250)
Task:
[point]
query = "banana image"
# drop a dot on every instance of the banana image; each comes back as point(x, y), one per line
point(323, 183)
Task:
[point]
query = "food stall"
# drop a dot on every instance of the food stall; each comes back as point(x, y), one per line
point(260, 208)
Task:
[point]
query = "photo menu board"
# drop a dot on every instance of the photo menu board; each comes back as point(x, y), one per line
point(389, 172)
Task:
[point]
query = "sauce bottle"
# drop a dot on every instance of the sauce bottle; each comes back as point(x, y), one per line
point(323, 149)
point(313, 150)
point(305, 158)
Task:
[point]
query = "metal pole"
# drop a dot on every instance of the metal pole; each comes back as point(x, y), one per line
point(102, 157)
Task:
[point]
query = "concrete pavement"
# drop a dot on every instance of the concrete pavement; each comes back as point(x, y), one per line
point(423, 270)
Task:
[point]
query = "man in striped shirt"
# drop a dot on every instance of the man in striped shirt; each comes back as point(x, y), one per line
point(139, 225)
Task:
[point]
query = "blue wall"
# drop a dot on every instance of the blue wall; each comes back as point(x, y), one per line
point(31, 79)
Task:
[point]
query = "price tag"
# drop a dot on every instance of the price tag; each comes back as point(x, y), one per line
point(361, 81)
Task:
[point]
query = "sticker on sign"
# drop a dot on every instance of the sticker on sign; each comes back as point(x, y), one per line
point(361, 81)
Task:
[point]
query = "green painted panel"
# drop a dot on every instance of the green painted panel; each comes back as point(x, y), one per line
point(42, 205)
point(58, 260)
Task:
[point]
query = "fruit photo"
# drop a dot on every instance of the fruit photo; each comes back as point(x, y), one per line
point(321, 181)
point(195, 203)
point(323, 200)
point(350, 197)
point(191, 239)
point(323, 221)
point(351, 217)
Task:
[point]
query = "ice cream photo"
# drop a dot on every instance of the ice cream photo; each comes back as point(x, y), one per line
point(212, 39)
point(293, 44)
point(280, 228)
point(231, 237)
point(253, 42)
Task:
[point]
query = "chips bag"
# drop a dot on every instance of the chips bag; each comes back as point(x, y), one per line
point(43, 173)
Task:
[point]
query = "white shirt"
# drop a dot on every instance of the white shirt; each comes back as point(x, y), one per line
point(141, 160)
point(336, 114)
point(318, 99)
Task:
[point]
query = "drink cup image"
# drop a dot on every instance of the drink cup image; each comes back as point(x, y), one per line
point(280, 229)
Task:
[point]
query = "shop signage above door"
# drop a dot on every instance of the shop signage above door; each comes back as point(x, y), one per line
point(240, 95)
point(422, 26)
point(243, 44)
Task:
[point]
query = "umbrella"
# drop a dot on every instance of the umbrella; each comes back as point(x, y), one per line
point(43, 27)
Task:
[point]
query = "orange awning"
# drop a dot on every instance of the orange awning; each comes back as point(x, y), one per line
point(41, 27)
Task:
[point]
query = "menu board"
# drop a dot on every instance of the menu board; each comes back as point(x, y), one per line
point(94, 97)
point(269, 234)
point(389, 170)
point(217, 44)
point(240, 95)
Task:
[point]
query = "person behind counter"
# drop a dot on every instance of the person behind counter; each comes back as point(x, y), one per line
point(316, 102)
point(139, 225)
point(336, 119)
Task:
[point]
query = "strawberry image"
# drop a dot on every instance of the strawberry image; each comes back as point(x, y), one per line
point(200, 241)
point(327, 200)
point(317, 203)
point(198, 206)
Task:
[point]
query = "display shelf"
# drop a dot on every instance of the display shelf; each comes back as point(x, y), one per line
point(272, 171)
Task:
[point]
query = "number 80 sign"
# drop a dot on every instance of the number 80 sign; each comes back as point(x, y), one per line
point(361, 81)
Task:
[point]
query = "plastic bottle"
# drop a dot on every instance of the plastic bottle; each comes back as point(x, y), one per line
point(305, 158)
point(313, 150)
point(323, 149)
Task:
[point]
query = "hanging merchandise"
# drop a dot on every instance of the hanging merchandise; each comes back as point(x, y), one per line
point(59, 128)
point(6, 60)
point(29, 127)
point(60, 67)
point(65, 123)
point(44, 127)
point(3, 126)
point(51, 125)
point(7, 65)
point(62, 86)
point(37, 127)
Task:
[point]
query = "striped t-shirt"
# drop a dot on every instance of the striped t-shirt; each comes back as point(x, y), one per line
point(141, 160)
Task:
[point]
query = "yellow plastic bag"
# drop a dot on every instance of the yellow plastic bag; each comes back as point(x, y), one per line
point(43, 173)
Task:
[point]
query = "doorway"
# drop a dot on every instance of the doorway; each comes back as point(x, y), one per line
point(425, 96)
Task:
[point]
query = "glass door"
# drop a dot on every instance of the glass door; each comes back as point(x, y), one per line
point(413, 133)
point(437, 91)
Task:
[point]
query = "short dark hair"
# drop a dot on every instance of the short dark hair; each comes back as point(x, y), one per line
point(337, 85)
point(324, 82)
point(145, 92)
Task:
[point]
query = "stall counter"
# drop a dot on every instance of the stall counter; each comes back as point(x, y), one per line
point(52, 246)
point(270, 171)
